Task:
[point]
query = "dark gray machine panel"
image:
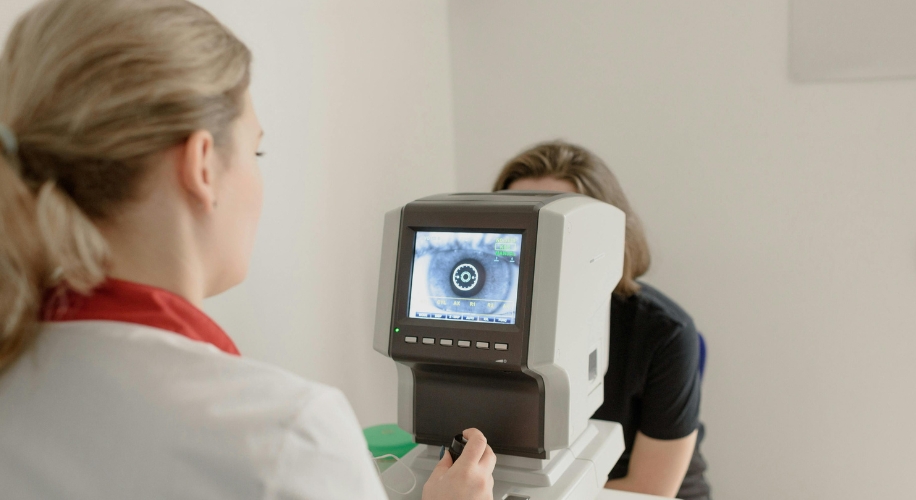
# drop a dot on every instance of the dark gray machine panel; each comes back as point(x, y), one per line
point(461, 379)
point(514, 212)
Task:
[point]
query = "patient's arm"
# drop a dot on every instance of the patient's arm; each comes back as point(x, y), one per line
point(657, 466)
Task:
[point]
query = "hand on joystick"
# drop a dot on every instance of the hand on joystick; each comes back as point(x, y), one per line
point(468, 477)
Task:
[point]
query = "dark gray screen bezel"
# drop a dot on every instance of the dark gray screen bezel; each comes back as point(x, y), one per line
point(519, 219)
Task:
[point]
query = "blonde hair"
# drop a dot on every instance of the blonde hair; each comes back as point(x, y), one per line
point(92, 90)
point(590, 176)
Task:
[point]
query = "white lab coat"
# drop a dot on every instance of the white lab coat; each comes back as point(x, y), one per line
point(108, 410)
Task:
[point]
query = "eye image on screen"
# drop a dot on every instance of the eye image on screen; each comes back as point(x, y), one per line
point(465, 276)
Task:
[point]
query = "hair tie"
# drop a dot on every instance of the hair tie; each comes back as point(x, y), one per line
point(9, 141)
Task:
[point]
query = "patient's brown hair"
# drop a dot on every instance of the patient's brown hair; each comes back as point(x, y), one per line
point(590, 176)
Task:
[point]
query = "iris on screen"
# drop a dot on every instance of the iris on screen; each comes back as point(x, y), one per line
point(465, 276)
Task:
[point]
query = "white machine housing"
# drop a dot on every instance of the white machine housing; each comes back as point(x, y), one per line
point(577, 268)
point(578, 261)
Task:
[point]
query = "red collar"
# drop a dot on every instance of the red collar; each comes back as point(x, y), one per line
point(128, 302)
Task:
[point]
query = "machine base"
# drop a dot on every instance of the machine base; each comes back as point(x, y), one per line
point(575, 473)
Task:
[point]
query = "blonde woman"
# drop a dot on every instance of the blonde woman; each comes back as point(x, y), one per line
point(129, 192)
point(652, 386)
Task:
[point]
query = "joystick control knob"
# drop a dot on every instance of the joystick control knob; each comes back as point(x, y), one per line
point(457, 446)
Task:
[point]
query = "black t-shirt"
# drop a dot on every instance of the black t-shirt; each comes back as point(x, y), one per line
point(653, 379)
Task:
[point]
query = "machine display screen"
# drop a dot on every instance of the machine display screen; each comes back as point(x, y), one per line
point(465, 276)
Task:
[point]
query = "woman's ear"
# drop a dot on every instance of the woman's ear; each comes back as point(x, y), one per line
point(196, 168)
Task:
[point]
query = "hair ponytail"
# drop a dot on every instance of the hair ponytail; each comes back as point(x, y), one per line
point(74, 247)
point(45, 241)
point(94, 89)
point(23, 265)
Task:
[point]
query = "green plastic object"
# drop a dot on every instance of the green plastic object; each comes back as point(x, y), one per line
point(388, 439)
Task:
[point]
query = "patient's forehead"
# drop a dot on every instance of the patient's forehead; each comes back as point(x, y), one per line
point(543, 184)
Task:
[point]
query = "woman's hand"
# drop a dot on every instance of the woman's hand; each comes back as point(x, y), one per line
point(469, 478)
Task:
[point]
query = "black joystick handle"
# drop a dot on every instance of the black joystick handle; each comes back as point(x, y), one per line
point(457, 446)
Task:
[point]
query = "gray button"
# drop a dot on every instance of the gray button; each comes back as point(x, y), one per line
point(464, 343)
point(410, 340)
point(429, 340)
point(501, 347)
point(446, 342)
point(483, 345)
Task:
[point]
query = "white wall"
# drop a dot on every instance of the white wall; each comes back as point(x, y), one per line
point(782, 216)
point(355, 100)
point(10, 10)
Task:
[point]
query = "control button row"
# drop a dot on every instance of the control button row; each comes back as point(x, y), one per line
point(461, 343)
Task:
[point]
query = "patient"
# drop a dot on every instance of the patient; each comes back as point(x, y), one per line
point(652, 386)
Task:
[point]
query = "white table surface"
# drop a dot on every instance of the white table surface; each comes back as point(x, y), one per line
point(623, 495)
